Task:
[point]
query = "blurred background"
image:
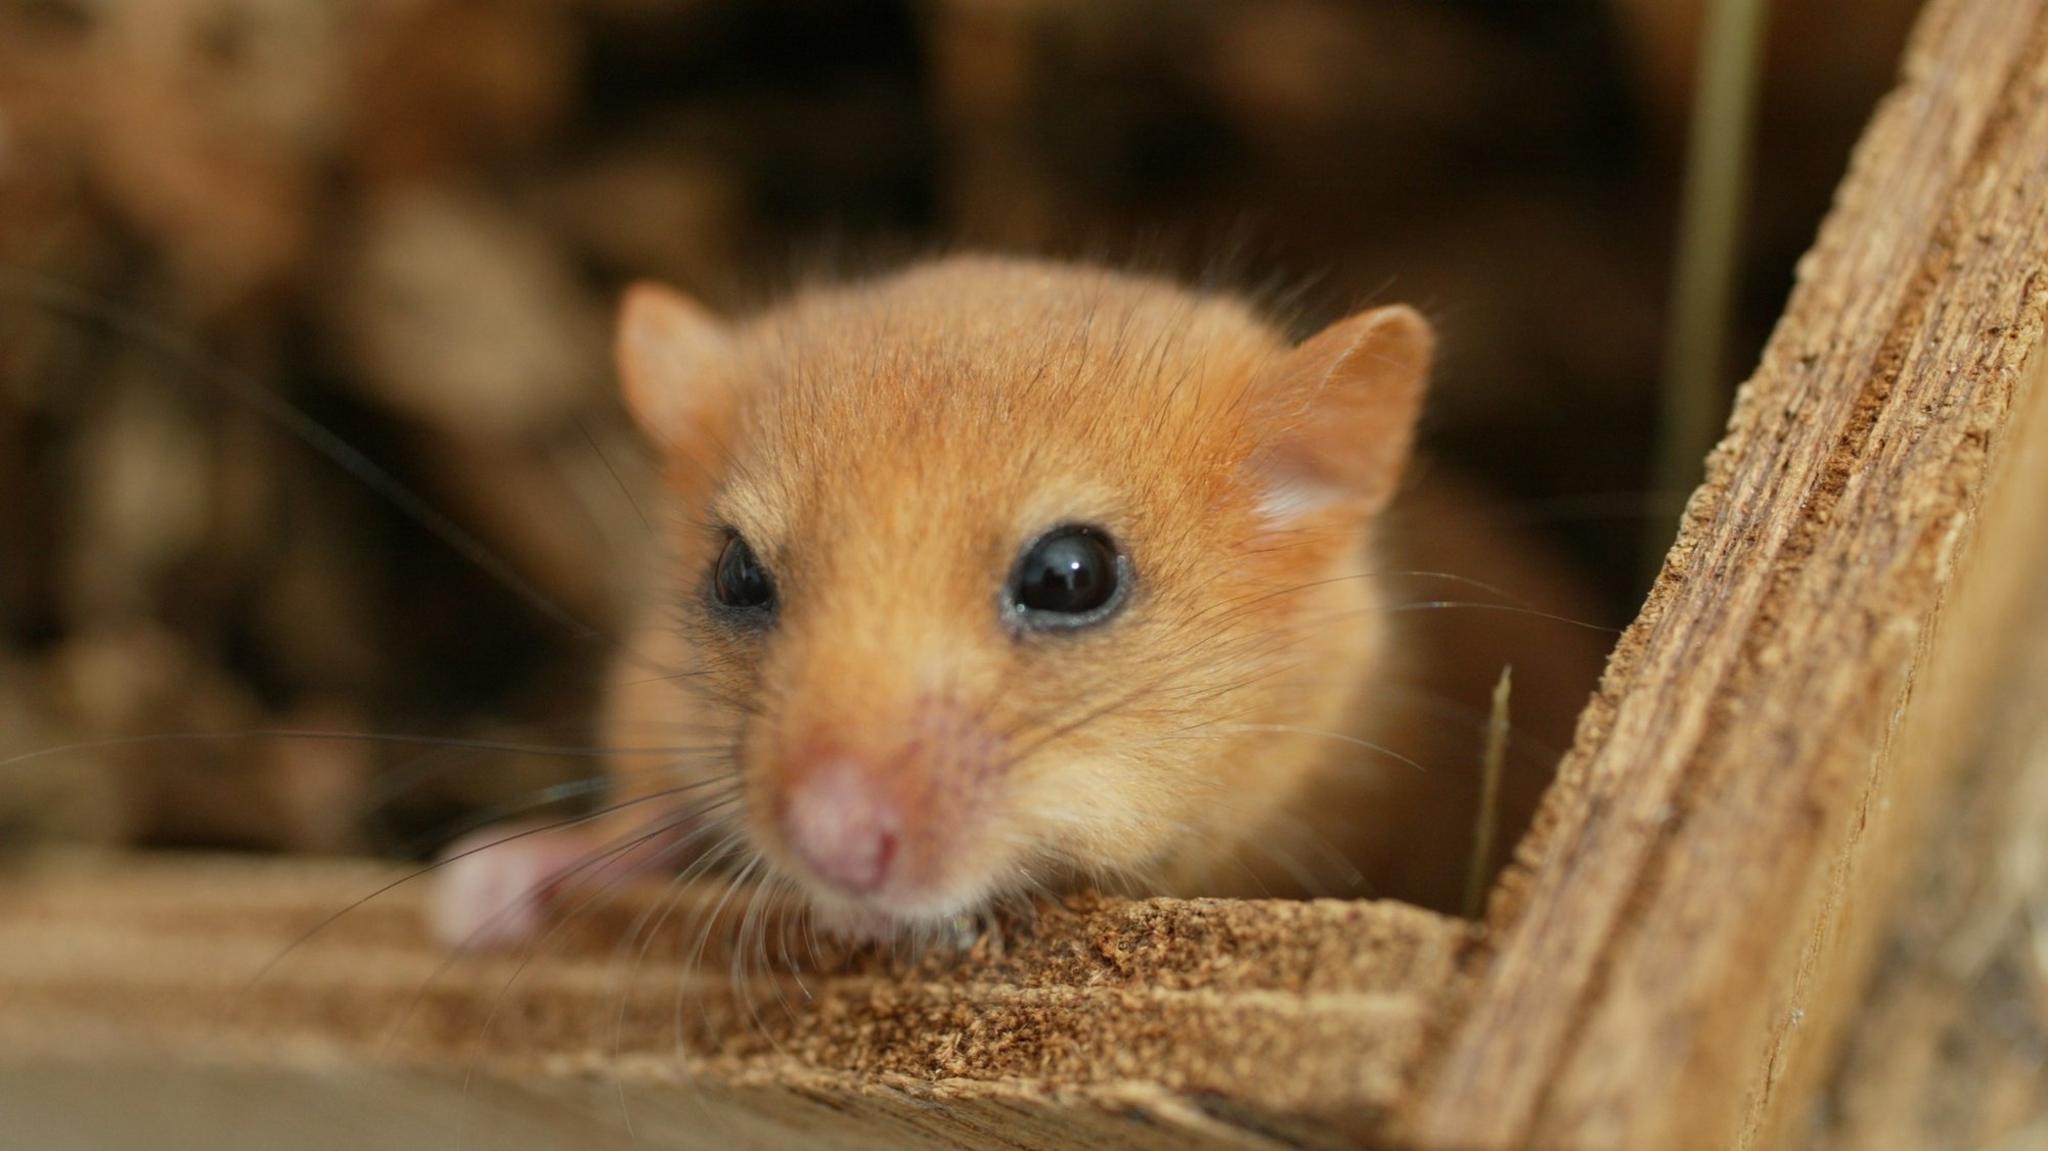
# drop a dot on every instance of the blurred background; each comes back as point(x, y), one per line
point(229, 228)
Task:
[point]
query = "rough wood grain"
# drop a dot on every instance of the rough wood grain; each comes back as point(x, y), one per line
point(1949, 1047)
point(1693, 888)
point(1676, 963)
point(1149, 1024)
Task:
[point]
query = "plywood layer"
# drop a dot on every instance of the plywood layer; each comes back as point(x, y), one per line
point(1694, 918)
point(1116, 1014)
point(1687, 937)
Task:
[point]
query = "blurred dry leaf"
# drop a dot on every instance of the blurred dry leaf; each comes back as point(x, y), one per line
point(467, 317)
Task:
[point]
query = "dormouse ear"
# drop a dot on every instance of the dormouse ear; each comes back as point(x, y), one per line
point(671, 354)
point(1347, 401)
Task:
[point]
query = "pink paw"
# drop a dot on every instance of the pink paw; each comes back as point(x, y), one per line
point(493, 890)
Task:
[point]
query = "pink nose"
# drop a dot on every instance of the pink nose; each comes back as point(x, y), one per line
point(844, 828)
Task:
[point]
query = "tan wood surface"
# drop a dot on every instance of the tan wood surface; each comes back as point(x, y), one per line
point(1696, 912)
point(1949, 1043)
point(1163, 1023)
point(1725, 932)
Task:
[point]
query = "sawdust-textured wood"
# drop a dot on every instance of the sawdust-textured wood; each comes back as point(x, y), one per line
point(1679, 958)
point(1148, 1024)
point(1696, 907)
point(1950, 1048)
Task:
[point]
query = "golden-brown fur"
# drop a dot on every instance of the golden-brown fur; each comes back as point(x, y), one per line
point(888, 448)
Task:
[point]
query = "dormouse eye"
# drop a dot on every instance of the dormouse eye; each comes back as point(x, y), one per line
point(739, 580)
point(1069, 577)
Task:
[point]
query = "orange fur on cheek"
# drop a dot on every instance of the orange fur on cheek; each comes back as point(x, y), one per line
point(888, 452)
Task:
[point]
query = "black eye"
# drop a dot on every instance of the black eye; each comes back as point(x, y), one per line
point(1069, 577)
point(739, 580)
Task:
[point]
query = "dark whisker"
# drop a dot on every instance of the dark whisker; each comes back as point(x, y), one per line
point(665, 907)
point(600, 861)
point(696, 960)
point(164, 341)
point(606, 461)
point(747, 926)
point(1292, 729)
point(305, 937)
point(787, 890)
point(604, 860)
point(572, 752)
point(1430, 605)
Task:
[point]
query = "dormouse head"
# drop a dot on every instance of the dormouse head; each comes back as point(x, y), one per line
point(995, 569)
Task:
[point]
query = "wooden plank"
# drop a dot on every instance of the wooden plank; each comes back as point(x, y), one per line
point(1686, 892)
point(1103, 1023)
point(1950, 1045)
point(1969, 684)
point(1673, 964)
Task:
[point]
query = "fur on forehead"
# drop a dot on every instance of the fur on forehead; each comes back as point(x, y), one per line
point(990, 355)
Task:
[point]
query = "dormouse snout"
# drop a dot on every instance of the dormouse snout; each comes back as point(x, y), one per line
point(886, 813)
point(972, 559)
point(844, 821)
